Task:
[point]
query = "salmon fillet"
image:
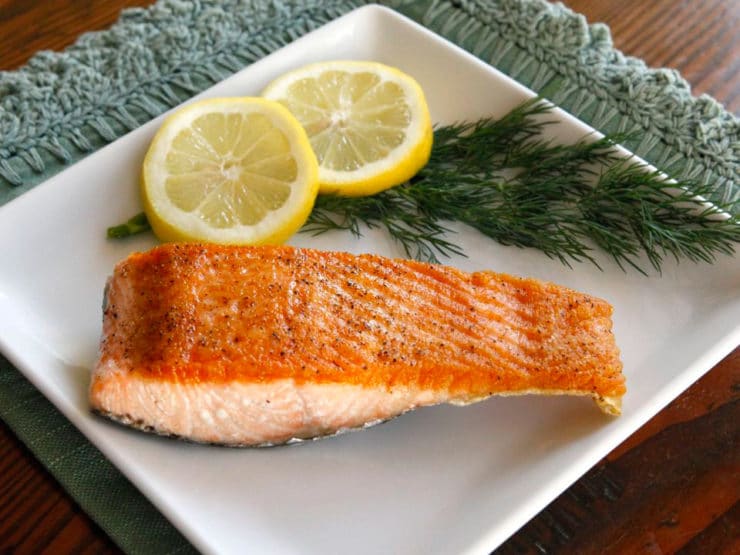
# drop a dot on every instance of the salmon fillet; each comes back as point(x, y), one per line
point(265, 345)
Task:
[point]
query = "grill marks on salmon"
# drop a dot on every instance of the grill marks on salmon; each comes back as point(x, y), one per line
point(264, 345)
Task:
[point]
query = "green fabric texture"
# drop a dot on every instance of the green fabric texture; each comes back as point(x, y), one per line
point(105, 494)
point(63, 106)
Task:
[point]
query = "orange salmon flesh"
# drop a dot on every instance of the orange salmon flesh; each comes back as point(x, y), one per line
point(265, 345)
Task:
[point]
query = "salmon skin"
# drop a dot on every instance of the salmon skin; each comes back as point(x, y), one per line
point(267, 345)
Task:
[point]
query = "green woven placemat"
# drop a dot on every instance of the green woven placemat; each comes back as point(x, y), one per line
point(62, 106)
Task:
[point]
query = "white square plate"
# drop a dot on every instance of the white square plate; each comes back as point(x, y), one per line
point(439, 480)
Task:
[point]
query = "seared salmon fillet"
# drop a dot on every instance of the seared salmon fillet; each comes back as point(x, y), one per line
point(264, 345)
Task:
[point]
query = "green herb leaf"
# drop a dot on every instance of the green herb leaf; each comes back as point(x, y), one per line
point(134, 225)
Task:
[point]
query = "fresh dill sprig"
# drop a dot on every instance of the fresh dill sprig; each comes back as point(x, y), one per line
point(503, 179)
point(633, 211)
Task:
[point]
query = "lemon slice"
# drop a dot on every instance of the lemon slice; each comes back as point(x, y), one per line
point(368, 123)
point(229, 170)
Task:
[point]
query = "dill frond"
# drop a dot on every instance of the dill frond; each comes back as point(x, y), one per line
point(503, 179)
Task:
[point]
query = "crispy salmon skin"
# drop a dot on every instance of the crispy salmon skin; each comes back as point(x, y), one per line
point(264, 345)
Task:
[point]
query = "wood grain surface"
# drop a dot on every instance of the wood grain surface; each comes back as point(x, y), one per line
point(673, 486)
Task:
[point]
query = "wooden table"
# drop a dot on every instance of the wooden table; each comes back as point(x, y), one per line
point(673, 485)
